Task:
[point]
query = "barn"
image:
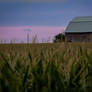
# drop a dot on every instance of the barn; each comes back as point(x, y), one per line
point(79, 30)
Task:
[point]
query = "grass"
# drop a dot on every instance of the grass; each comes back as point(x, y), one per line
point(60, 67)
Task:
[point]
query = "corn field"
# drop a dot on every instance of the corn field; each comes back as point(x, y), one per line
point(59, 67)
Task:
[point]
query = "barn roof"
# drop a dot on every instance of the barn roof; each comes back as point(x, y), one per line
point(80, 24)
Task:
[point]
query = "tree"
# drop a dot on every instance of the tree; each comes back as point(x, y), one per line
point(59, 38)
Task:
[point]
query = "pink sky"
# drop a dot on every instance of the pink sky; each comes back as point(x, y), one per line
point(19, 33)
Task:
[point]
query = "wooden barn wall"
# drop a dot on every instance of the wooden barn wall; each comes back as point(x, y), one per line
point(78, 37)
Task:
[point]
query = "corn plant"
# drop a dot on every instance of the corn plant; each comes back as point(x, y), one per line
point(46, 68)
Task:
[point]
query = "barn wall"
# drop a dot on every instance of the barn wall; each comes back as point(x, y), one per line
point(90, 37)
point(78, 37)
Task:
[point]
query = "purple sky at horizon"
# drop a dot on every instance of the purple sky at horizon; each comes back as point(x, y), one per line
point(43, 33)
point(43, 19)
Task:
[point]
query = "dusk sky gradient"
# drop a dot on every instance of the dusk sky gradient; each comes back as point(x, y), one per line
point(43, 19)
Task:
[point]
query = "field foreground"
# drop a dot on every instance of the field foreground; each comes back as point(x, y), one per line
point(61, 67)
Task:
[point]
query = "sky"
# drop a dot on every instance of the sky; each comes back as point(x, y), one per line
point(44, 19)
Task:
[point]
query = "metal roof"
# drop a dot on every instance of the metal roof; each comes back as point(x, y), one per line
point(82, 18)
point(80, 24)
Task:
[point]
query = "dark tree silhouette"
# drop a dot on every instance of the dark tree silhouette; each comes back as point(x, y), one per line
point(59, 38)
